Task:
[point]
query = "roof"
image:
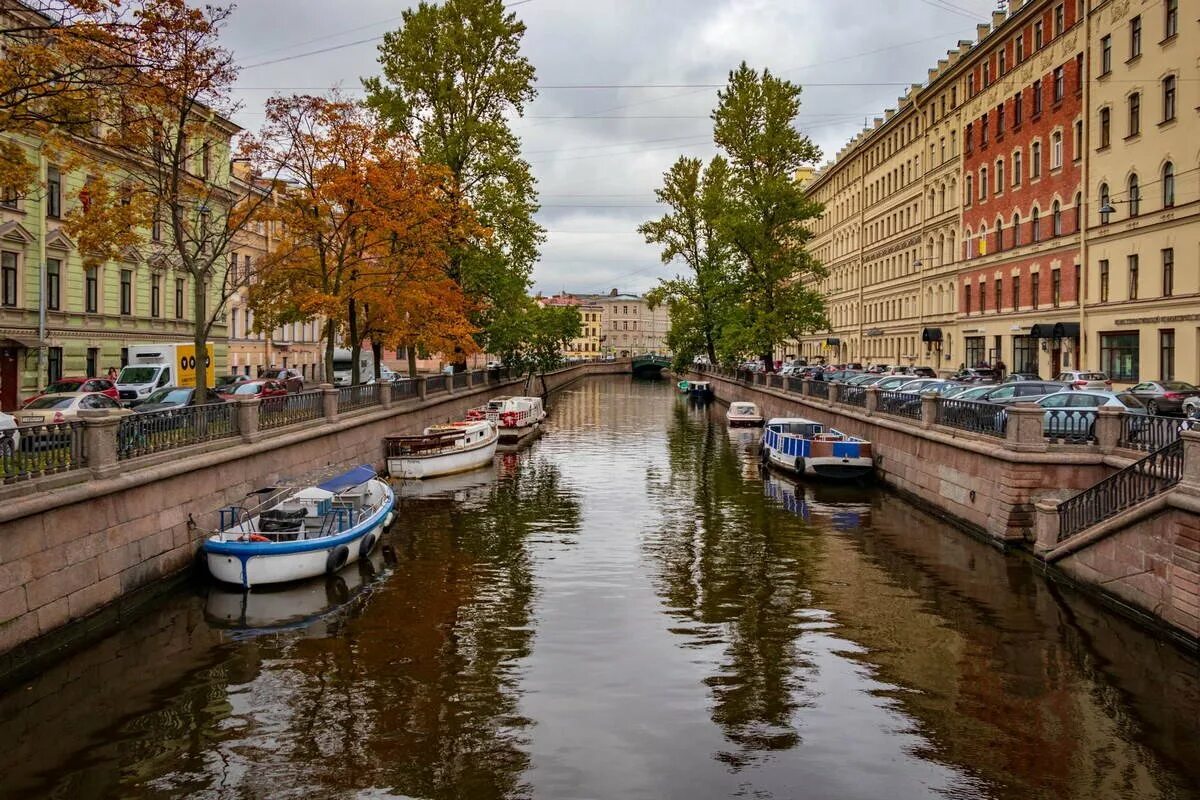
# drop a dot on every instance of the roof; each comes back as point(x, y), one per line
point(348, 480)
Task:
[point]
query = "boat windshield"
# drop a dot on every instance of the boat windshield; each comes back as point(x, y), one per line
point(802, 429)
point(744, 408)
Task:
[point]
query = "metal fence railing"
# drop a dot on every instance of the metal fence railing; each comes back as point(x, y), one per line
point(435, 383)
point(818, 389)
point(404, 388)
point(352, 398)
point(970, 415)
point(854, 396)
point(155, 431)
point(1070, 425)
point(899, 404)
point(275, 412)
point(1135, 484)
point(31, 451)
point(460, 380)
point(1145, 433)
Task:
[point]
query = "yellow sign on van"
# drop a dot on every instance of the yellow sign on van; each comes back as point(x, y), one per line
point(186, 353)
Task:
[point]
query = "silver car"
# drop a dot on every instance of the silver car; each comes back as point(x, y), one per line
point(1072, 415)
point(1082, 379)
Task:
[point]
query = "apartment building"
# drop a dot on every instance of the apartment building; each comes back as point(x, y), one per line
point(1055, 225)
point(628, 326)
point(587, 344)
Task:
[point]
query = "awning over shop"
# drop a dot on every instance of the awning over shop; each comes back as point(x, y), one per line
point(1055, 330)
point(931, 334)
point(832, 342)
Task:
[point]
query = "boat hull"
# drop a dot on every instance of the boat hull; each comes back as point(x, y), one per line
point(836, 468)
point(518, 433)
point(249, 564)
point(744, 422)
point(432, 466)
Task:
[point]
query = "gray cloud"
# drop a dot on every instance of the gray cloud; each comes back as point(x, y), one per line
point(598, 154)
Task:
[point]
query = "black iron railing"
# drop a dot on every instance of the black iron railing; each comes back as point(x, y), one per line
point(899, 404)
point(31, 451)
point(460, 380)
point(776, 381)
point(854, 395)
point(155, 431)
point(353, 398)
point(1146, 433)
point(275, 412)
point(1070, 425)
point(404, 388)
point(818, 389)
point(1137, 483)
point(795, 385)
point(970, 415)
point(435, 383)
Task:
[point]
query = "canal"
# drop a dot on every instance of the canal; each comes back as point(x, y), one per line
point(627, 609)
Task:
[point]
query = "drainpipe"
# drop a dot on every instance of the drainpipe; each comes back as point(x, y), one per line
point(42, 354)
point(1085, 189)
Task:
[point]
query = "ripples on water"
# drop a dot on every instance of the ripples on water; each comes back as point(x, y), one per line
point(627, 609)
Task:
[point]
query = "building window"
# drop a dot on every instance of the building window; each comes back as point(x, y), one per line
point(8, 279)
point(54, 364)
point(92, 365)
point(982, 297)
point(156, 227)
point(91, 286)
point(1055, 287)
point(8, 197)
point(1037, 98)
point(1060, 19)
point(1168, 185)
point(1056, 219)
point(1135, 196)
point(1106, 55)
point(970, 188)
point(1133, 276)
point(1060, 83)
point(1104, 281)
point(205, 159)
point(1020, 47)
point(1135, 114)
point(1016, 229)
point(1056, 150)
point(1119, 356)
point(1016, 292)
point(975, 350)
point(179, 298)
point(1168, 91)
point(999, 294)
point(1018, 106)
point(1035, 225)
point(155, 296)
point(1016, 172)
point(1105, 128)
point(969, 138)
point(983, 183)
point(1077, 142)
point(126, 291)
point(1002, 62)
point(1035, 289)
point(1171, 23)
point(1079, 73)
point(53, 193)
point(983, 129)
point(1035, 160)
point(1166, 355)
point(1104, 215)
point(1078, 213)
point(967, 299)
point(1168, 271)
point(999, 235)
point(999, 175)
point(53, 283)
point(999, 120)
point(1038, 36)
point(1135, 37)
point(1025, 354)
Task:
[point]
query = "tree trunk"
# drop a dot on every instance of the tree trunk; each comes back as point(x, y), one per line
point(199, 316)
point(412, 361)
point(328, 351)
point(355, 342)
point(769, 360)
point(377, 352)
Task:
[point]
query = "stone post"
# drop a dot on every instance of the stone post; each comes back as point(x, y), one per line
point(929, 408)
point(329, 402)
point(872, 401)
point(1025, 433)
point(422, 386)
point(1108, 428)
point(385, 394)
point(805, 387)
point(835, 393)
point(1190, 481)
point(449, 383)
point(100, 441)
point(1046, 525)
point(246, 412)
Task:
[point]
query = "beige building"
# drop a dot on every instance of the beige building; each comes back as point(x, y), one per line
point(628, 326)
point(587, 344)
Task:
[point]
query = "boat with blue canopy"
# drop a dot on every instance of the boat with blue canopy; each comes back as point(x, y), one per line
point(292, 533)
point(807, 447)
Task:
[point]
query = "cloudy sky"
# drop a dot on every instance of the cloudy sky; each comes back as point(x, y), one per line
point(625, 87)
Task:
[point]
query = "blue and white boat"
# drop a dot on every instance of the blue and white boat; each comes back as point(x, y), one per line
point(300, 533)
point(806, 447)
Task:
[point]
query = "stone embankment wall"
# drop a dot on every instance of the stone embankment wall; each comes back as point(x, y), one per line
point(72, 551)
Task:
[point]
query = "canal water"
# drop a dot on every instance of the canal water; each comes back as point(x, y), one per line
point(627, 609)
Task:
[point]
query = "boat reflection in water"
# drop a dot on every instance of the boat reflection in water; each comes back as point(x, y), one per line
point(463, 486)
point(847, 507)
point(296, 606)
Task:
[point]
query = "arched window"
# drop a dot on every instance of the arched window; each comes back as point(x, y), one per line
point(1016, 226)
point(1056, 219)
point(1078, 212)
point(1035, 225)
point(999, 234)
point(1168, 185)
point(1105, 216)
point(1135, 196)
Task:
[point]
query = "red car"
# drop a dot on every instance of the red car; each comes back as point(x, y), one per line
point(261, 389)
point(102, 385)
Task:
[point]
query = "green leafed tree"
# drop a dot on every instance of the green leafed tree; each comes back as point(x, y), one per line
point(701, 300)
point(531, 340)
point(766, 215)
point(452, 78)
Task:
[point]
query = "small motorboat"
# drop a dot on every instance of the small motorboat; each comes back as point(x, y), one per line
point(743, 414)
point(700, 391)
point(297, 533)
point(806, 447)
point(515, 418)
point(684, 387)
point(442, 450)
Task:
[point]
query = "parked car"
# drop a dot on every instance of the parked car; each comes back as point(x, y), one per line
point(10, 438)
point(1165, 396)
point(1022, 391)
point(1072, 415)
point(866, 379)
point(1014, 377)
point(64, 407)
point(976, 375)
point(261, 388)
point(173, 397)
point(1081, 379)
point(63, 385)
point(924, 372)
point(923, 386)
point(292, 379)
point(226, 382)
point(892, 383)
point(841, 375)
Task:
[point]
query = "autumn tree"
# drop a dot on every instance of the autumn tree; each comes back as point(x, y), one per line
point(452, 78)
point(531, 341)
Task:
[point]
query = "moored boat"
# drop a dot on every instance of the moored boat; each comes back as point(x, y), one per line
point(700, 391)
point(298, 533)
point(442, 450)
point(806, 447)
point(684, 387)
point(742, 413)
point(515, 418)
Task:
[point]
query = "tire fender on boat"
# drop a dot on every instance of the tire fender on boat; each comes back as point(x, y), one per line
point(764, 454)
point(366, 545)
point(337, 559)
point(800, 465)
point(388, 520)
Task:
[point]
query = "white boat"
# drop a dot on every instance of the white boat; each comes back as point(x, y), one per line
point(514, 417)
point(806, 447)
point(300, 533)
point(460, 487)
point(700, 391)
point(742, 413)
point(442, 450)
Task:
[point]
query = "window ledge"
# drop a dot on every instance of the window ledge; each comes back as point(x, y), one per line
point(1133, 59)
point(1104, 75)
point(1035, 116)
point(1168, 40)
point(1103, 148)
point(1166, 123)
point(1133, 136)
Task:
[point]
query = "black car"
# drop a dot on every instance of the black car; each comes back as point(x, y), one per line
point(173, 397)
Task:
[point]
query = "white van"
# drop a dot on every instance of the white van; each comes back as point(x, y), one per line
point(343, 366)
point(152, 366)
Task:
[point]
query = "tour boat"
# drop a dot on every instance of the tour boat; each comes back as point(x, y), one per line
point(297, 533)
point(700, 391)
point(442, 450)
point(742, 413)
point(515, 418)
point(684, 387)
point(809, 448)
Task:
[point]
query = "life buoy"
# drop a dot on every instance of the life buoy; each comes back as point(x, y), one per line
point(337, 559)
point(254, 537)
point(508, 419)
point(475, 413)
point(366, 545)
